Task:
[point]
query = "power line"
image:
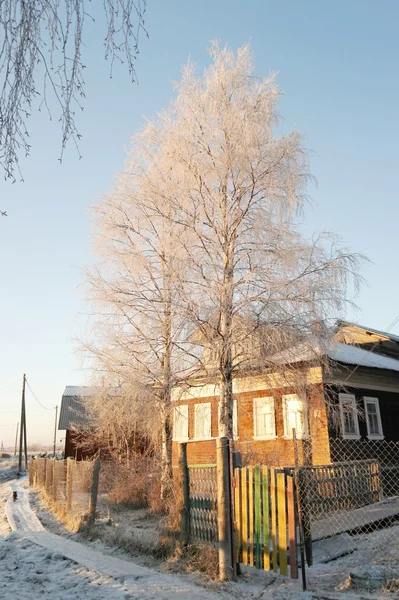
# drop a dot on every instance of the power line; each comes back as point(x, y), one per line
point(35, 397)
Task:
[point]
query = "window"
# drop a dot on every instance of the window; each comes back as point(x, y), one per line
point(180, 430)
point(264, 419)
point(373, 418)
point(349, 420)
point(295, 416)
point(203, 421)
point(235, 417)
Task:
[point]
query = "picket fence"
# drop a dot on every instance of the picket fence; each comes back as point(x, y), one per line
point(265, 519)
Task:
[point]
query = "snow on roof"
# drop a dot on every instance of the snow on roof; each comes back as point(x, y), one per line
point(338, 352)
point(356, 356)
point(81, 390)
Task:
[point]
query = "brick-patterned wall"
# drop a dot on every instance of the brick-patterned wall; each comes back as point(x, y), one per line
point(275, 452)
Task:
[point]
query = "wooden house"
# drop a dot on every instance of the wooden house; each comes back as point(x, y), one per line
point(73, 414)
point(348, 390)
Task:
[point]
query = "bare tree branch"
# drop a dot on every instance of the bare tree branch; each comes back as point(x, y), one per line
point(41, 59)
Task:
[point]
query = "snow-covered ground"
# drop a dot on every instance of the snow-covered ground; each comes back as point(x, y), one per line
point(8, 468)
point(36, 563)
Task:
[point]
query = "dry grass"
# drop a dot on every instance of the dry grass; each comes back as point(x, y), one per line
point(72, 522)
point(135, 484)
point(196, 558)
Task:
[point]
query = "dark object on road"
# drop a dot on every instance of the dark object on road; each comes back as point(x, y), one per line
point(14, 496)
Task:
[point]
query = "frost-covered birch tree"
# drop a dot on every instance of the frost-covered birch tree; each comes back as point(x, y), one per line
point(202, 232)
point(134, 289)
point(252, 274)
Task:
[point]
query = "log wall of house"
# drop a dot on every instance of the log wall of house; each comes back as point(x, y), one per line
point(278, 451)
point(388, 405)
point(72, 450)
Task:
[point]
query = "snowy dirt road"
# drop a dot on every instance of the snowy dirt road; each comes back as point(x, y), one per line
point(36, 563)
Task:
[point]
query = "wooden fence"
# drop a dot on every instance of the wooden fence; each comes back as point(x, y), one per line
point(265, 519)
point(262, 505)
point(339, 486)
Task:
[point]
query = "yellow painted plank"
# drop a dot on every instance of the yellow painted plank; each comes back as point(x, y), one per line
point(251, 514)
point(282, 524)
point(244, 516)
point(237, 512)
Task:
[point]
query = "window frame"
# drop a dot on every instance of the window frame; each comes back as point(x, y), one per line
point(196, 408)
point(175, 438)
point(255, 402)
point(352, 398)
point(303, 435)
point(373, 400)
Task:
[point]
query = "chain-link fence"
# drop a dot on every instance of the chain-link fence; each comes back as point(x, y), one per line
point(70, 487)
point(356, 493)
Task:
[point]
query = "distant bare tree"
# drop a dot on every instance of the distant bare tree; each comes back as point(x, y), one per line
point(134, 288)
point(121, 423)
point(41, 58)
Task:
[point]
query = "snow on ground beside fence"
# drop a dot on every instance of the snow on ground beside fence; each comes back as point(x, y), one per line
point(44, 572)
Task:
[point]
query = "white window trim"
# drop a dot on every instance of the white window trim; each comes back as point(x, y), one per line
point(376, 402)
point(202, 404)
point(271, 436)
point(352, 399)
point(300, 435)
point(175, 438)
point(235, 418)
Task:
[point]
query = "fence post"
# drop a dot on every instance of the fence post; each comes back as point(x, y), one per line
point(297, 496)
point(94, 491)
point(224, 509)
point(185, 505)
point(45, 476)
point(55, 483)
point(30, 471)
point(69, 484)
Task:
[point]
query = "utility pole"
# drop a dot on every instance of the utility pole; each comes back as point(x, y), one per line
point(16, 440)
point(55, 428)
point(22, 430)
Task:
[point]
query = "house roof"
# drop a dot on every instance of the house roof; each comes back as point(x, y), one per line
point(73, 410)
point(350, 344)
point(338, 352)
point(385, 334)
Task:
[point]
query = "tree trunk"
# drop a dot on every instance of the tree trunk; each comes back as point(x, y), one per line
point(226, 354)
point(166, 451)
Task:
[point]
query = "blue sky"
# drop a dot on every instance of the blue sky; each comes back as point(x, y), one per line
point(338, 69)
